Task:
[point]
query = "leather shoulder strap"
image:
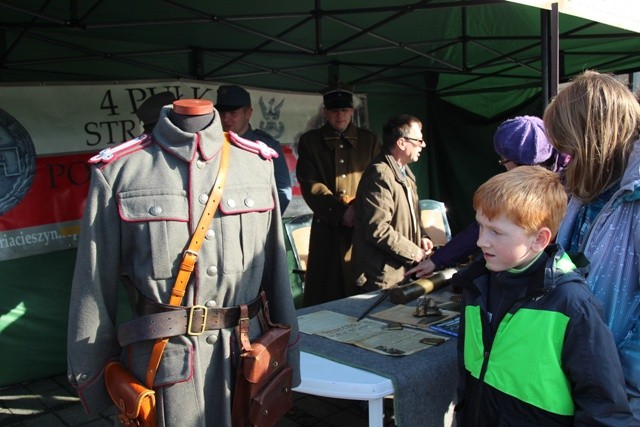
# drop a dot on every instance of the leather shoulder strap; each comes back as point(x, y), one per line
point(191, 255)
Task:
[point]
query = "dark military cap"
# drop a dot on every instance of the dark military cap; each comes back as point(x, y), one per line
point(232, 97)
point(149, 110)
point(337, 98)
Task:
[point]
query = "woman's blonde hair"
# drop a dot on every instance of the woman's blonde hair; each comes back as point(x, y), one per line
point(531, 197)
point(596, 120)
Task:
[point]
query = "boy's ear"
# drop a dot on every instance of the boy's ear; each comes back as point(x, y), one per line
point(543, 237)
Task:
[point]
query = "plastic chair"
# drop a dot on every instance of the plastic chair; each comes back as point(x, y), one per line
point(298, 231)
point(433, 217)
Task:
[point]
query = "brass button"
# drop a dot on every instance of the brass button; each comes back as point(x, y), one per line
point(155, 210)
point(203, 198)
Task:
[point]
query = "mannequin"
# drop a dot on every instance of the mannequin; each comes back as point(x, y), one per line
point(192, 115)
point(142, 208)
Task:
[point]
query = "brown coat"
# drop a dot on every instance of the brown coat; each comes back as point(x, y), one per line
point(386, 239)
point(329, 170)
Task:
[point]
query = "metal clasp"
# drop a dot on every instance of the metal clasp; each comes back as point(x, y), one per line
point(195, 254)
point(204, 319)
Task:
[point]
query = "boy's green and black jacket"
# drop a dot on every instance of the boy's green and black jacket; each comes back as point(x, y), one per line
point(547, 358)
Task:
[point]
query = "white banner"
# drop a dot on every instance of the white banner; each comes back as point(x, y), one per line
point(90, 117)
point(47, 133)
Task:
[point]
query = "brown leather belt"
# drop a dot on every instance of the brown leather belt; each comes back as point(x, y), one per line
point(182, 320)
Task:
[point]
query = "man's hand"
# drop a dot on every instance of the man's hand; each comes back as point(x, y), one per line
point(427, 245)
point(423, 269)
point(420, 255)
point(349, 217)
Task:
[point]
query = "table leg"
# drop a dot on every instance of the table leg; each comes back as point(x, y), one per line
point(376, 412)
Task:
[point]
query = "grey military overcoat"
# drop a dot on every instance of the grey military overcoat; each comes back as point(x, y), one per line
point(141, 209)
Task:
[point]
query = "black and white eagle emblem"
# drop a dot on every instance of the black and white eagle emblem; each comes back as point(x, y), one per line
point(271, 115)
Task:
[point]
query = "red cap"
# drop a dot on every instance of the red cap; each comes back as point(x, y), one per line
point(193, 107)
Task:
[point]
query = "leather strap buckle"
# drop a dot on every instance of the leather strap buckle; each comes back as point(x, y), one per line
point(203, 325)
point(189, 251)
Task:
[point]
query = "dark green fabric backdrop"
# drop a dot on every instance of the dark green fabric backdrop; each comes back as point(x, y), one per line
point(33, 315)
point(460, 156)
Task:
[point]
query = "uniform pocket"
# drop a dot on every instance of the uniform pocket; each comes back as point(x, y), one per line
point(246, 212)
point(155, 227)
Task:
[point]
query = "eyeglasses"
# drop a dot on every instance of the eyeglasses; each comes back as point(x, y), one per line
point(416, 140)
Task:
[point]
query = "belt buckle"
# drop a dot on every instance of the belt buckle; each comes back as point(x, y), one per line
point(204, 319)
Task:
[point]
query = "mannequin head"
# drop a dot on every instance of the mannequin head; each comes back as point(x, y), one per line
point(191, 115)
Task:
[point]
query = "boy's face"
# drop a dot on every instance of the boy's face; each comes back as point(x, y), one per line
point(504, 244)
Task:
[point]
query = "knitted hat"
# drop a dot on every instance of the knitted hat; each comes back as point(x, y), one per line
point(522, 140)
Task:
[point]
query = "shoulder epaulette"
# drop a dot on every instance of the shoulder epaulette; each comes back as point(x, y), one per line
point(257, 147)
point(109, 154)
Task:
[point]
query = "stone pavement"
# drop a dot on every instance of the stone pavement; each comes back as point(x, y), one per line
point(51, 402)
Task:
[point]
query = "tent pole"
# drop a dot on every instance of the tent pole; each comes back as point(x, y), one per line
point(544, 45)
point(549, 41)
point(555, 51)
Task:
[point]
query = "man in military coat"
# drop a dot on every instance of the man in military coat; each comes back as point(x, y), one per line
point(145, 199)
point(234, 105)
point(331, 160)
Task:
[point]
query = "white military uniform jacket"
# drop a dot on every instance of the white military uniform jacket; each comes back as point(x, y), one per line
point(141, 210)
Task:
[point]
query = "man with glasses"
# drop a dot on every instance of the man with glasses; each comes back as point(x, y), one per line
point(388, 237)
point(331, 160)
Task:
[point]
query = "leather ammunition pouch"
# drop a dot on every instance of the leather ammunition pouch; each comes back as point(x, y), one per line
point(135, 402)
point(263, 378)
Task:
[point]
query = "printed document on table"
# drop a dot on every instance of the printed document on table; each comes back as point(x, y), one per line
point(369, 334)
point(404, 314)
